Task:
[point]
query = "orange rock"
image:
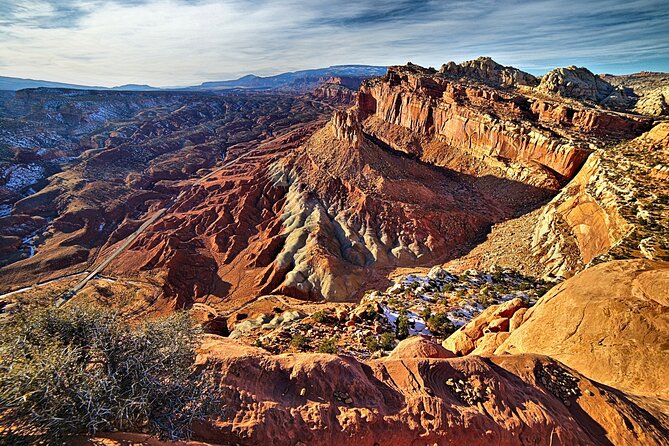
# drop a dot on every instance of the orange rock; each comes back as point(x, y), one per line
point(498, 324)
point(419, 347)
point(412, 400)
point(610, 322)
point(517, 319)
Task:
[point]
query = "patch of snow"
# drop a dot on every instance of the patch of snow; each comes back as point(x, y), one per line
point(416, 323)
point(5, 210)
point(22, 175)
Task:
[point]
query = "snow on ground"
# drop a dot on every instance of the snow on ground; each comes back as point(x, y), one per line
point(461, 297)
point(20, 176)
point(416, 323)
point(5, 210)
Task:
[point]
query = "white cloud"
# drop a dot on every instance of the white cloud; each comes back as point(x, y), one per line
point(170, 42)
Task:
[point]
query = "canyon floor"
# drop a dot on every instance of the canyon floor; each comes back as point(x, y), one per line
point(465, 255)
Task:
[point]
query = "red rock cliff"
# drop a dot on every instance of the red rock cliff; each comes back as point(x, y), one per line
point(470, 126)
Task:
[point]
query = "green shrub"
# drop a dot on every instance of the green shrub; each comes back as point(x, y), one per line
point(82, 370)
point(387, 341)
point(440, 324)
point(321, 316)
point(372, 344)
point(329, 345)
point(300, 342)
point(402, 325)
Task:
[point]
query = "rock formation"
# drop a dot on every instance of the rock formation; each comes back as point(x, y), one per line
point(589, 217)
point(325, 399)
point(576, 82)
point(650, 90)
point(609, 322)
point(483, 334)
point(487, 70)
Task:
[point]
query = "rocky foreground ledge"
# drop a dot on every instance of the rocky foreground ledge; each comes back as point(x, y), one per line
point(423, 394)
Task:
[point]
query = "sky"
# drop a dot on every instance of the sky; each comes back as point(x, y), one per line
point(186, 42)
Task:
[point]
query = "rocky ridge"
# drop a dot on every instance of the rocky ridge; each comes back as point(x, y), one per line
point(325, 399)
point(500, 151)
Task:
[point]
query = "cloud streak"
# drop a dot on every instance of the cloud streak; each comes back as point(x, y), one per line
point(177, 42)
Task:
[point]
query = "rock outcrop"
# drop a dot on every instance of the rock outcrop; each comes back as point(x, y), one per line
point(416, 347)
point(469, 126)
point(576, 82)
point(650, 90)
point(326, 399)
point(606, 210)
point(339, 91)
point(483, 334)
point(487, 70)
point(609, 322)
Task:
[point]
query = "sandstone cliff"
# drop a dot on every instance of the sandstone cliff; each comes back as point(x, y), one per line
point(472, 127)
point(615, 207)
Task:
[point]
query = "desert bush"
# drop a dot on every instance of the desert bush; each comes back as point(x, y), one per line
point(402, 325)
point(440, 324)
point(426, 313)
point(448, 287)
point(83, 370)
point(372, 343)
point(300, 342)
point(387, 341)
point(329, 345)
point(321, 317)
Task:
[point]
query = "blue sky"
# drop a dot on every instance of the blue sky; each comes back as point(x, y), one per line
point(183, 42)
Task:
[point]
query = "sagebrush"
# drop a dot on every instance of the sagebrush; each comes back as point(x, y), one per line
point(83, 370)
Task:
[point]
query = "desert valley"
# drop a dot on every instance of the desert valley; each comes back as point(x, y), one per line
point(469, 254)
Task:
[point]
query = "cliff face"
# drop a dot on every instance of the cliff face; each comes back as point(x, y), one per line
point(475, 128)
point(412, 175)
point(615, 208)
point(582, 222)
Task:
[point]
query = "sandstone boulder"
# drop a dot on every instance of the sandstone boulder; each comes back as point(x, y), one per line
point(609, 322)
point(419, 347)
point(493, 320)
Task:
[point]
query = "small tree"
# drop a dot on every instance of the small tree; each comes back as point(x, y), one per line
point(372, 343)
point(82, 370)
point(387, 341)
point(440, 324)
point(402, 325)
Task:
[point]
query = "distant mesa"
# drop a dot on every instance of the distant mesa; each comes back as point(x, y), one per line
point(304, 80)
